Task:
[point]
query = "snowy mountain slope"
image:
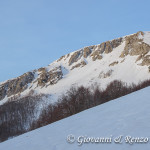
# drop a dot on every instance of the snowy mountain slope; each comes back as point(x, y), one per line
point(126, 116)
point(126, 59)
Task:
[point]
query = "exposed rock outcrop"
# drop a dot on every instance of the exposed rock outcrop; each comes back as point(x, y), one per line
point(16, 86)
point(122, 60)
point(96, 55)
point(135, 46)
point(105, 47)
point(60, 58)
point(83, 63)
point(140, 49)
point(74, 57)
point(113, 63)
point(50, 77)
point(105, 74)
point(139, 58)
point(86, 52)
point(149, 69)
point(43, 79)
point(41, 69)
point(146, 60)
point(109, 45)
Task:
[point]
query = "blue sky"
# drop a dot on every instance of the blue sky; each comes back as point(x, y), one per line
point(33, 33)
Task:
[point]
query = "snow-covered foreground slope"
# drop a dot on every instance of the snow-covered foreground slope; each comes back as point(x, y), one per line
point(126, 116)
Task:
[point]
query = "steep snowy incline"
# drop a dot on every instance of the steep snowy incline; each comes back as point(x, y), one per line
point(126, 59)
point(126, 116)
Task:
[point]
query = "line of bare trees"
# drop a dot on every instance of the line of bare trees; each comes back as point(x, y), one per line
point(81, 98)
point(17, 117)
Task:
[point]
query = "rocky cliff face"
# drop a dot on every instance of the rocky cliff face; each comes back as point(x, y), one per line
point(20, 84)
point(92, 64)
point(16, 86)
point(49, 77)
point(96, 51)
point(135, 46)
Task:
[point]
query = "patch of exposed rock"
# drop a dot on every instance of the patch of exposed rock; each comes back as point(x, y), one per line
point(86, 52)
point(146, 60)
point(139, 58)
point(95, 51)
point(75, 57)
point(105, 74)
point(16, 86)
point(105, 47)
point(83, 63)
point(43, 79)
point(149, 69)
point(114, 63)
point(135, 46)
point(61, 58)
point(41, 69)
point(122, 60)
point(109, 45)
point(140, 49)
point(50, 77)
point(96, 55)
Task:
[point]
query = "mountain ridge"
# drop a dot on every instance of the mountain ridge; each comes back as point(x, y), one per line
point(130, 51)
